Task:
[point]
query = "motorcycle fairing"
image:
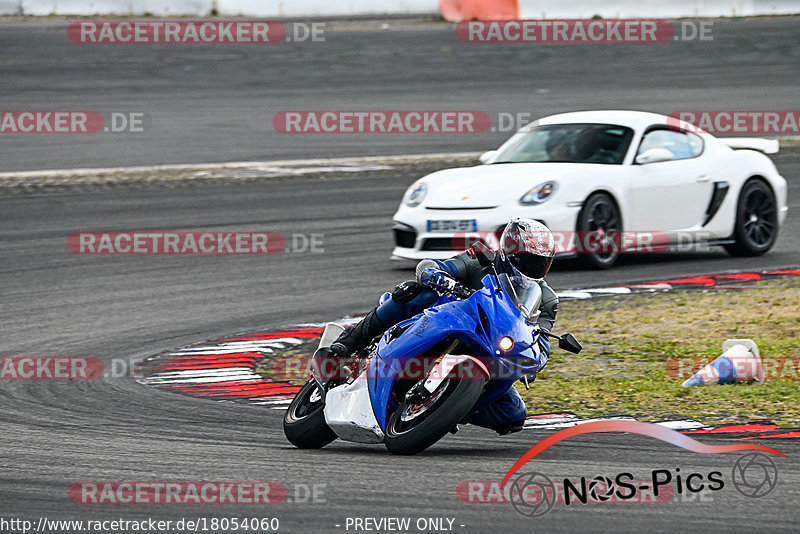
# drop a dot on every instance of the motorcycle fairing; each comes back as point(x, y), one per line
point(480, 322)
point(349, 413)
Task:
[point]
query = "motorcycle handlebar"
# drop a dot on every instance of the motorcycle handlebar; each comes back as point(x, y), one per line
point(461, 291)
point(455, 288)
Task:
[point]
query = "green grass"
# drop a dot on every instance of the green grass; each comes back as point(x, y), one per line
point(629, 339)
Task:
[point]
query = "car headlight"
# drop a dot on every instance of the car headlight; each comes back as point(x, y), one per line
point(416, 194)
point(539, 194)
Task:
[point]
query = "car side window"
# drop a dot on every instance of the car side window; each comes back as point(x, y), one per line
point(681, 145)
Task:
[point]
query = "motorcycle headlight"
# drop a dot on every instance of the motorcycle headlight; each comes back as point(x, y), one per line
point(539, 194)
point(416, 194)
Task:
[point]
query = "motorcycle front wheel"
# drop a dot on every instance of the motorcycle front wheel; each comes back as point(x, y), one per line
point(304, 421)
point(417, 425)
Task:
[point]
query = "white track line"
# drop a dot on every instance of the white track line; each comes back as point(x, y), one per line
point(317, 165)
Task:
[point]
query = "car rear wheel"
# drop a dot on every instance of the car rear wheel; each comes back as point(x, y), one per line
point(756, 220)
point(599, 232)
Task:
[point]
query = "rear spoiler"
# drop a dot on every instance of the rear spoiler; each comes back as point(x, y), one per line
point(767, 146)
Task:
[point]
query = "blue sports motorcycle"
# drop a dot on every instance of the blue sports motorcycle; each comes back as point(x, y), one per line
point(425, 375)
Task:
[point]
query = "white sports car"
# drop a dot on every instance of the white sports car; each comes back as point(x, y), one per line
point(605, 182)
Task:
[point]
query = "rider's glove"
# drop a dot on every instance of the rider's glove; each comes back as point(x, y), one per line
point(436, 279)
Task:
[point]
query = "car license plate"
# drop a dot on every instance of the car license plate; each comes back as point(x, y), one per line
point(458, 225)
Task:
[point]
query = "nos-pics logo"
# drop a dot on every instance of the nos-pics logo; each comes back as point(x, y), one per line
point(533, 494)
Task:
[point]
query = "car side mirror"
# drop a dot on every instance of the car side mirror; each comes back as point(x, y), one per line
point(654, 155)
point(487, 156)
point(568, 343)
point(483, 254)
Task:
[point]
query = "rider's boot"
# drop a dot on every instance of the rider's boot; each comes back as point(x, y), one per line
point(358, 336)
point(509, 428)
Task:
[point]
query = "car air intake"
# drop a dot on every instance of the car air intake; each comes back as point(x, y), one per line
point(404, 236)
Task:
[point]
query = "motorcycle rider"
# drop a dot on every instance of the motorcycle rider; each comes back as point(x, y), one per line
point(527, 248)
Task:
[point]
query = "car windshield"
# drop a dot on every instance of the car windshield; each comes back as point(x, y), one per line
point(567, 143)
point(525, 294)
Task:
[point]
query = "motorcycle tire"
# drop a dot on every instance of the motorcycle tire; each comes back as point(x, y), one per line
point(304, 421)
point(447, 408)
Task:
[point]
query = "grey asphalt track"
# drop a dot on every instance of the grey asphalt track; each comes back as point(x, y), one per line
point(56, 433)
point(215, 103)
point(52, 303)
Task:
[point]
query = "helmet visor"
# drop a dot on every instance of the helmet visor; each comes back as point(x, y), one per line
point(531, 265)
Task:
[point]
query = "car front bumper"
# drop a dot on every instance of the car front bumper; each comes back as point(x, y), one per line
point(413, 240)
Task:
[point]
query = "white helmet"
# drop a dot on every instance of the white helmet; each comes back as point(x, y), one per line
point(528, 248)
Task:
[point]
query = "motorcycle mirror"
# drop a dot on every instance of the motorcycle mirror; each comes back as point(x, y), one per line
point(483, 254)
point(568, 343)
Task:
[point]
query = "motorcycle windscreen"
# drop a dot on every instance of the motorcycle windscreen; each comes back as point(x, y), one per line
point(525, 294)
